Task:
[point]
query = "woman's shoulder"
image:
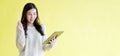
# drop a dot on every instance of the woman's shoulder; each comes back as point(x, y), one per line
point(43, 25)
point(43, 28)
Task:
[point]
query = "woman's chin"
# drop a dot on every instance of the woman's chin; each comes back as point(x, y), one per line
point(31, 22)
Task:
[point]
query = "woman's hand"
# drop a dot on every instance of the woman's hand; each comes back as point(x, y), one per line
point(20, 26)
point(53, 40)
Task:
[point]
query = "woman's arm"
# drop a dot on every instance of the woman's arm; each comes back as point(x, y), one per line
point(20, 37)
point(52, 43)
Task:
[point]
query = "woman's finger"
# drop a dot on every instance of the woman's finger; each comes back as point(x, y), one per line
point(56, 36)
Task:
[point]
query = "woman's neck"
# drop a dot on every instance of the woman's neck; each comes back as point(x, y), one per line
point(30, 24)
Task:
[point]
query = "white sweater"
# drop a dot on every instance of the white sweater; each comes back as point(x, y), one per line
point(33, 44)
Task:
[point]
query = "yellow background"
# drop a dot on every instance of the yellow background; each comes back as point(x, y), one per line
point(91, 27)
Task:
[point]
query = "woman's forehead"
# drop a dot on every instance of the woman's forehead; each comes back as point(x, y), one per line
point(31, 10)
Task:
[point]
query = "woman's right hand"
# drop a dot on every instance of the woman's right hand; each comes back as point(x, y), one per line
point(20, 26)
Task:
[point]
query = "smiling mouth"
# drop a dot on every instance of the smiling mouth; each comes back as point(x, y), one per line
point(31, 19)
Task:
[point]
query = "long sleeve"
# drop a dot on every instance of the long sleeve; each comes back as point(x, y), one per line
point(20, 39)
point(47, 46)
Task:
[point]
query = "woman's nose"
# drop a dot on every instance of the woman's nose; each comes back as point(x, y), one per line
point(32, 16)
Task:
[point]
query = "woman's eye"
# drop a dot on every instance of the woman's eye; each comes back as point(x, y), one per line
point(29, 14)
point(34, 13)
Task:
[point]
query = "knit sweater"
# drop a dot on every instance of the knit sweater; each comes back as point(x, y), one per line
point(33, 44)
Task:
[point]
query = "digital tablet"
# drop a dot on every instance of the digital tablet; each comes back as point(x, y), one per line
point(56, 33)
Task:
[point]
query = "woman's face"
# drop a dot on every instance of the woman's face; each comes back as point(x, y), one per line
point(31, 15)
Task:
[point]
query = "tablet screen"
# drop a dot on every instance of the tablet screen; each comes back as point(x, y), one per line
point(56, 33)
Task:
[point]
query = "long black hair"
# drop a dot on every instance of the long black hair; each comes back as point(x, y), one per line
point(24, 21)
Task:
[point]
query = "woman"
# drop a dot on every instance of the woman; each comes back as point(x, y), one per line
point(31, 34)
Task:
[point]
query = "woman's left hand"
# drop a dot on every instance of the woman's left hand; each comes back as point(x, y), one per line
point(53, 40)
